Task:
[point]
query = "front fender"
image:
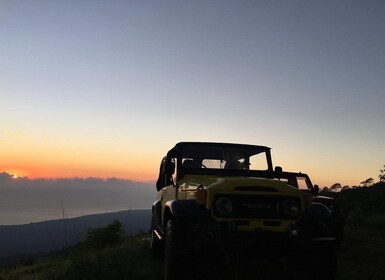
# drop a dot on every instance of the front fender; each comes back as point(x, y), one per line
point(186, 208)
point(157, 213)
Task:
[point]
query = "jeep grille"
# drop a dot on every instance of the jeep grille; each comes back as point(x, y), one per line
point(255, 206)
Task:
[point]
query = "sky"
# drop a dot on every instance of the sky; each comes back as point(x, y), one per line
point(105, 88)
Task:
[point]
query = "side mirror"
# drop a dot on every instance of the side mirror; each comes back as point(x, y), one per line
point(278, 171)
point(166, 170)
point(169, 168)
point(315, 190)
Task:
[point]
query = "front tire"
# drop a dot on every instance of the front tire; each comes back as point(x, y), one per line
point(175, 253)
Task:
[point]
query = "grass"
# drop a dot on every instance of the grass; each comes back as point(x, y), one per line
point(129, 260)
point(361, 256)
point(362, 253)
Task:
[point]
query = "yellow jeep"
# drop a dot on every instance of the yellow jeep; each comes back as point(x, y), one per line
point(218, 192)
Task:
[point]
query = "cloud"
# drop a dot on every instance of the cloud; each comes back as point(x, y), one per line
point(25, 200)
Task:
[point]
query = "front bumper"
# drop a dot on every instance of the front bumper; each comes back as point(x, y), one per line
point(295, 235)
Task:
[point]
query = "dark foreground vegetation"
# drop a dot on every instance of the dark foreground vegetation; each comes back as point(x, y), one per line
point(108, 254)
point(105, 254)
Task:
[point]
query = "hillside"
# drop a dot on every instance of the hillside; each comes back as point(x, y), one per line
point(17, 241)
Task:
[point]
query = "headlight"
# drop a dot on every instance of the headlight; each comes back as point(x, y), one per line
point(224, 205)
point(290, 207)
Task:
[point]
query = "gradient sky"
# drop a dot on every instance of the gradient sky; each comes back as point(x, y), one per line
point(105, 88)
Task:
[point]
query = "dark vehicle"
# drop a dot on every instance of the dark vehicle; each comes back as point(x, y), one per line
point(302, 182)
point(218, 193)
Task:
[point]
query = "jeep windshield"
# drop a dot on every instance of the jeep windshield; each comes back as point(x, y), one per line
point(223, 159)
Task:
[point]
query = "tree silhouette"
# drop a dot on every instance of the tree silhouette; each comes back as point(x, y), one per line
point(367, 182)
point(382, 174)
point(335, 187)
point(325, 190)
point(345, 188)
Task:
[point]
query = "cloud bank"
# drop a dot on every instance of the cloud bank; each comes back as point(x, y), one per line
point(24, 200)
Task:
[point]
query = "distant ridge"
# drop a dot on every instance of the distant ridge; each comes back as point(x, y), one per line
point(49, 236)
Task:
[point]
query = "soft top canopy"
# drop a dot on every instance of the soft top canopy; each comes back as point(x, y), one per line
point(247, 149)
point(218, 159)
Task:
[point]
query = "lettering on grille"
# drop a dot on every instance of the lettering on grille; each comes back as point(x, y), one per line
point(256, 206)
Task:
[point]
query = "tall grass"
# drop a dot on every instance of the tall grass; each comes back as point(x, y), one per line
point(362, 253)
point(105, 254)
point(129, 260)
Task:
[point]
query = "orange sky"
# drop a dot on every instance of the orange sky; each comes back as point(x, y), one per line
point(134, 164)
point(79, 167)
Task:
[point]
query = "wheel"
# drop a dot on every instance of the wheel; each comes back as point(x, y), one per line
point(156, 245)
point(175, 250)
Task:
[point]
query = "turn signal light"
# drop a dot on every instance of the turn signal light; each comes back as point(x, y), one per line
point(200, 196)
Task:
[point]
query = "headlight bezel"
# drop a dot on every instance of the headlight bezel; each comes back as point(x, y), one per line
point(223, 206)
point(291, 208)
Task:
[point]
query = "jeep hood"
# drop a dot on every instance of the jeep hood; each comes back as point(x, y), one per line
point(215, 183)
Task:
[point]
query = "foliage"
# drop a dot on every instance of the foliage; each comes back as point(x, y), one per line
point(335, 187)
point(362, 253)
point(325, 190)
point(344, 188)
point(131, 259)
point(367, 182)
point(110, 235)
point(368, 200)
point(382, 174)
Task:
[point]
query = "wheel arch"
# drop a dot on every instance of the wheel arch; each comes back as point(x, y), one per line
point(186, 208)
point(317, 211)
point(157, 213)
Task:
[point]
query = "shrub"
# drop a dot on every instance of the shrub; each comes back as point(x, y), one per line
point(110, 235)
